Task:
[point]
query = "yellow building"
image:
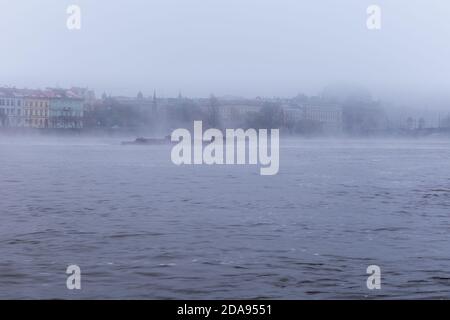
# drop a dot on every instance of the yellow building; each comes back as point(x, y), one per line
point(36, 108)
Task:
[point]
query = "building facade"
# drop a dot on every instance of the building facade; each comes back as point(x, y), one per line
point(329, 117)
point(40, 109)
point(36, 108)
point(11, 108)
point(66, 111)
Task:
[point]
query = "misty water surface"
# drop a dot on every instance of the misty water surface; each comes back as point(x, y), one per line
point(141, 227)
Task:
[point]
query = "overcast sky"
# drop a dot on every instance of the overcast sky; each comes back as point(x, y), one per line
point(236, 47)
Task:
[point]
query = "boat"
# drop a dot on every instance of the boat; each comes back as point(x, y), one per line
point(148, 141)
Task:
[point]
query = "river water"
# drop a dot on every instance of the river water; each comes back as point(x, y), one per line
point(140, 227)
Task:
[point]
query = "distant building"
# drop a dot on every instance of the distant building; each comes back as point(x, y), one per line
point(293, 114)
point(66, 109)
point(87, 95)
point(233, 112)
point(23, 108)
point(50, 108)
point(145, 105)
point(36, 107)
point(329, 117)
point(11, 108)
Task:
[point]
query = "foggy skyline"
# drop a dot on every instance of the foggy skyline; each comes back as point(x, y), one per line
point(247, 48)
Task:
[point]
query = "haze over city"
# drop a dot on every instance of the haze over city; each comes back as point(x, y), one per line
point(228, 47)
point(224, 149)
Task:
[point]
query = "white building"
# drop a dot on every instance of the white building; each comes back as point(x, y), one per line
point(330, 117)
point(235, 112)
point(11, 108)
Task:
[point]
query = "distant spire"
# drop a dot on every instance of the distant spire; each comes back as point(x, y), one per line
point(154, 104)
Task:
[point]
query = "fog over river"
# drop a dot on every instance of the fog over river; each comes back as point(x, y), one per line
point(141, 227)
